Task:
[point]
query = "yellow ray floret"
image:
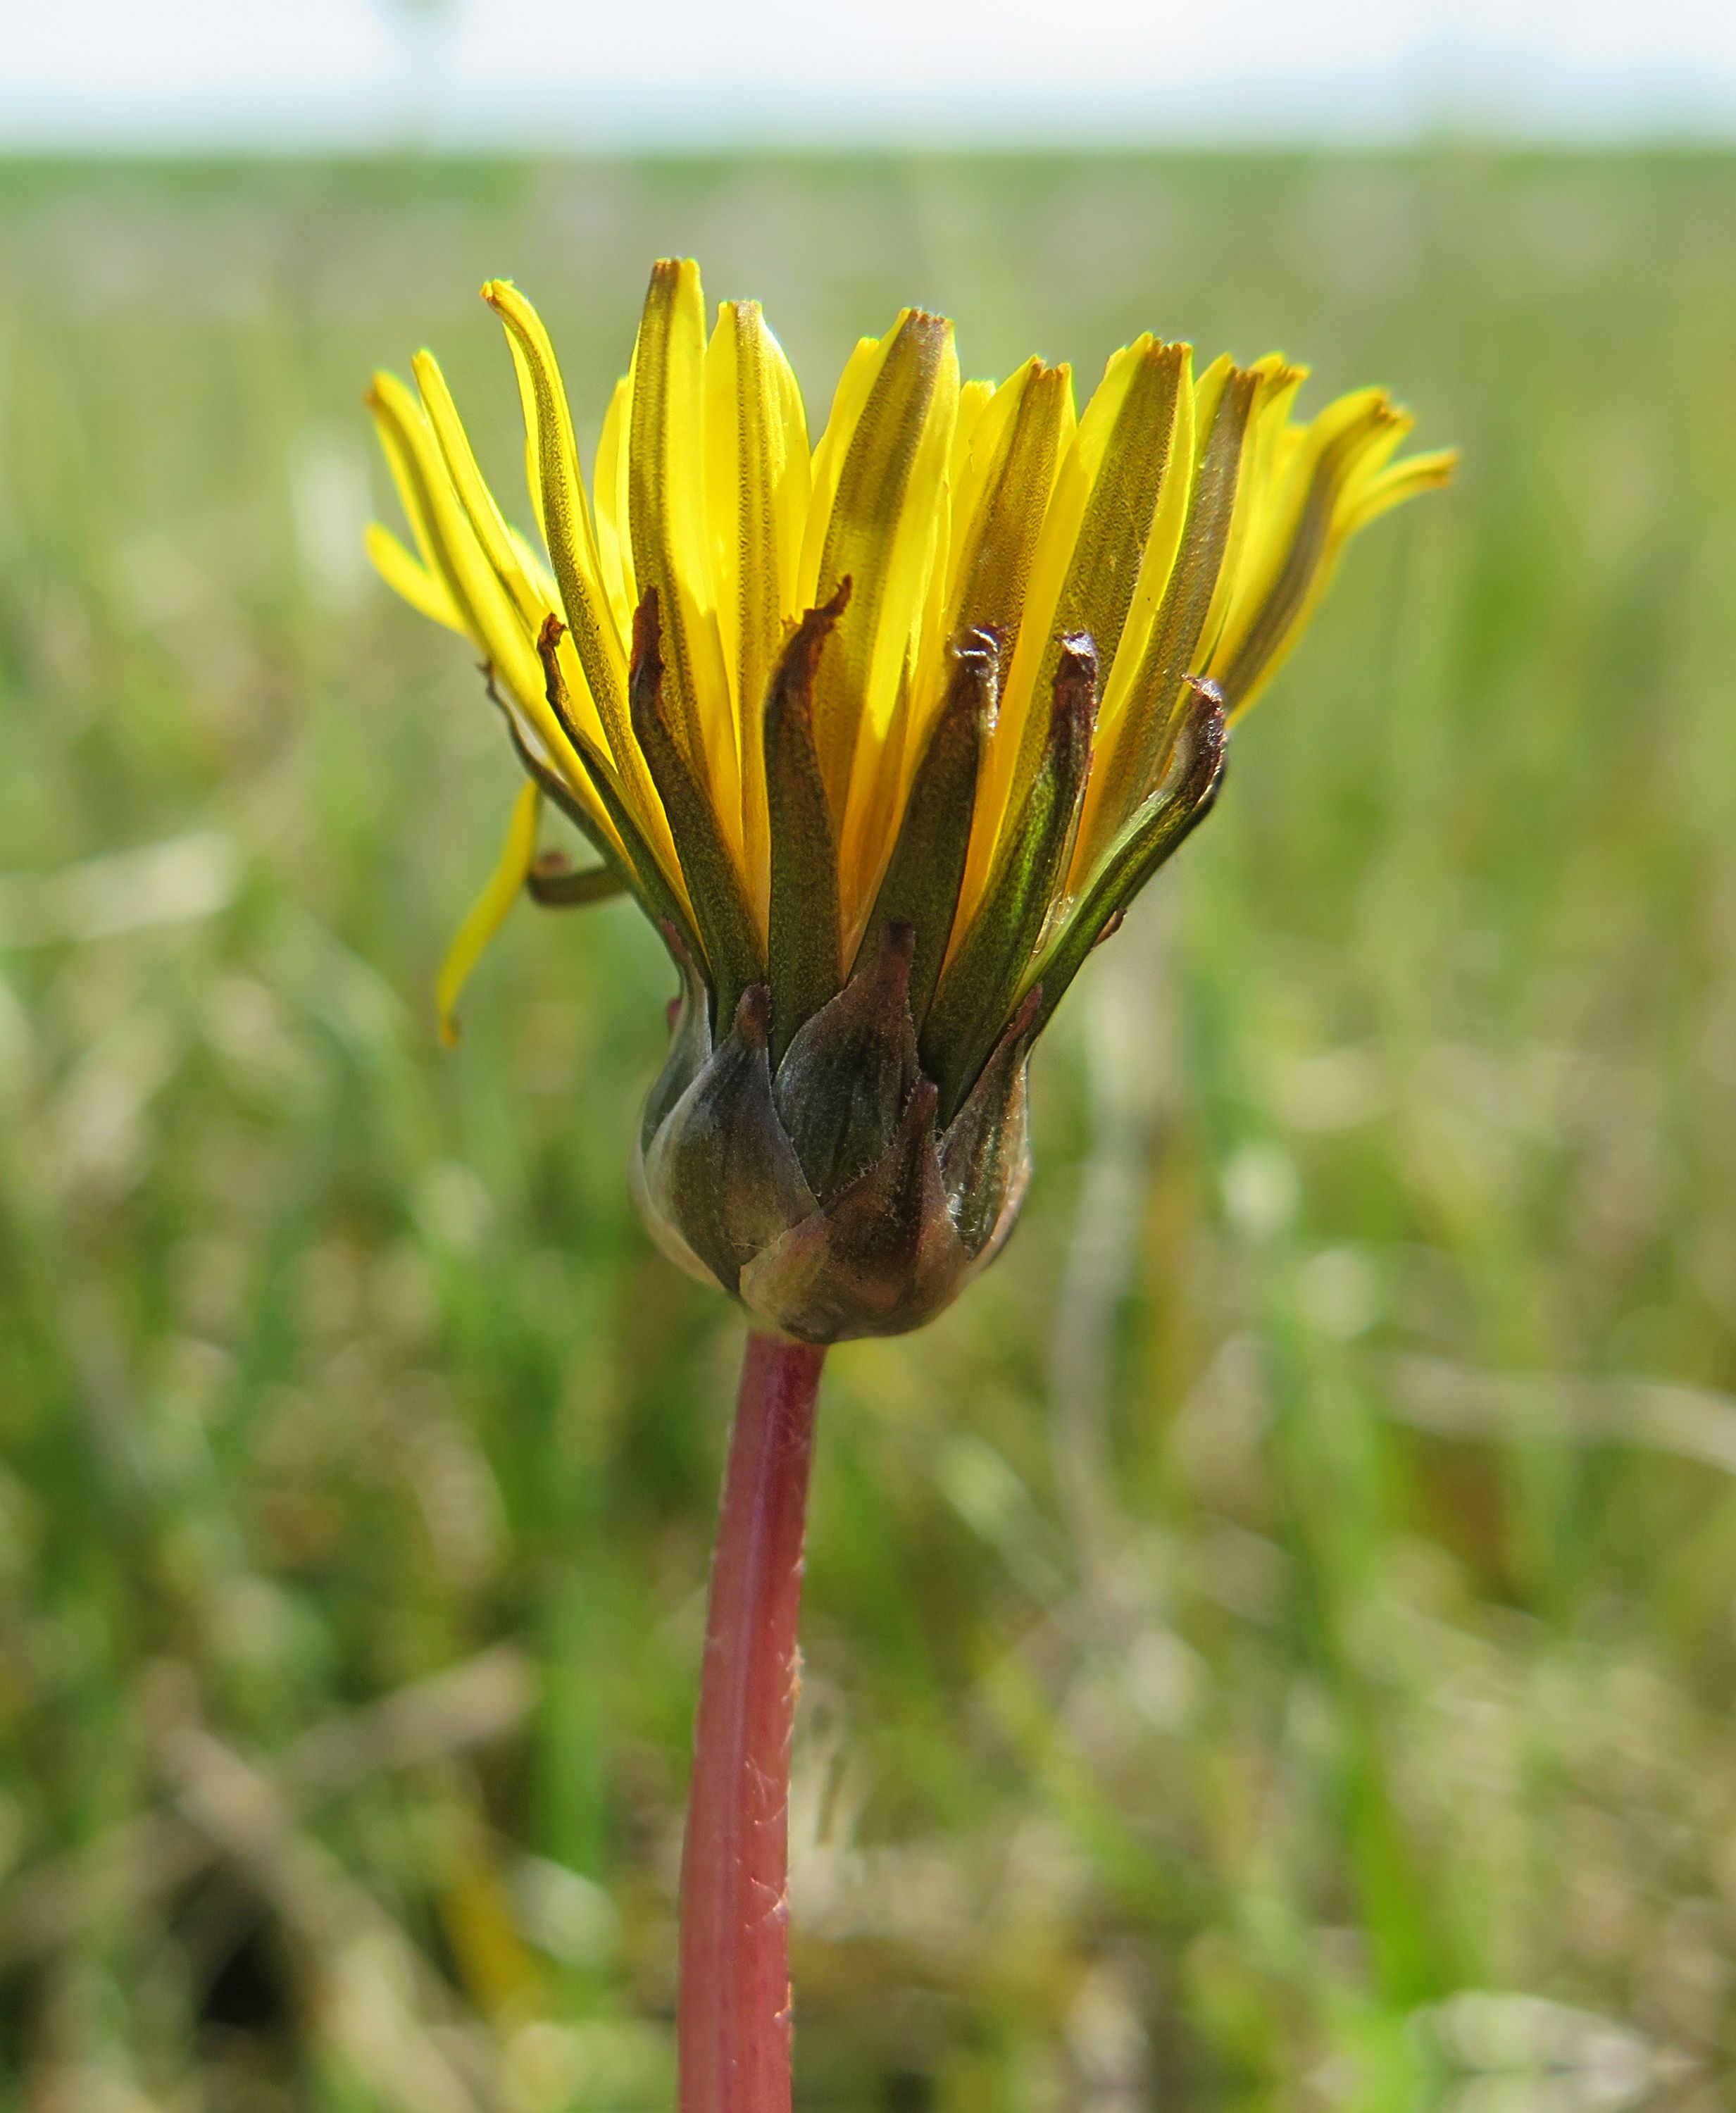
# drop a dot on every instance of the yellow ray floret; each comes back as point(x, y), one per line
point(489, 912)
point(1185, 522)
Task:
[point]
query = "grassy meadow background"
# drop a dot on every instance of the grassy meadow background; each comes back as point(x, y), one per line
point(1274, 1644)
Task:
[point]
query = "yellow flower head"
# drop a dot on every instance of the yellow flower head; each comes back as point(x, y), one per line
point(882, 735)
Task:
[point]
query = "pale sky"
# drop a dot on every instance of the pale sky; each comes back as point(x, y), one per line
point(577, 73)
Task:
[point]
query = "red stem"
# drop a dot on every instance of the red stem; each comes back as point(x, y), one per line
point(734, 2025)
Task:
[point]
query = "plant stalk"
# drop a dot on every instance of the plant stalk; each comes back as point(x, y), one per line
point(733, 2029)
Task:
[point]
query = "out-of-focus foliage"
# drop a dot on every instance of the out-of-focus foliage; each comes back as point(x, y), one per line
point(1272, 1644)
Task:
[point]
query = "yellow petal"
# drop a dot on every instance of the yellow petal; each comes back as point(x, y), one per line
point(1133, 748)
point(535, 569)
point(1341, 455)
point(889, 522)
point(1170, 519)
point(670, 536)
point(1269, 461)
point(1335, 435)
point(978, 428)
point(1001, 487)
point(527, 584)
point(795, 486)
point(1150, 436)
point(474, 496)
point(488, 911)
point(880, 533)
point(757, 474)
point(974, 400)
point(860, 371)
point(489, 614)
point(1089, 561)
point(566, 524)
point(407, 480)
point(1402, 480)
point(572, 551)
point(608, 489)
point(407, 575)
point(1001, 510)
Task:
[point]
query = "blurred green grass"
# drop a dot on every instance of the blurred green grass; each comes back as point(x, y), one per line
point(1274, 1643)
